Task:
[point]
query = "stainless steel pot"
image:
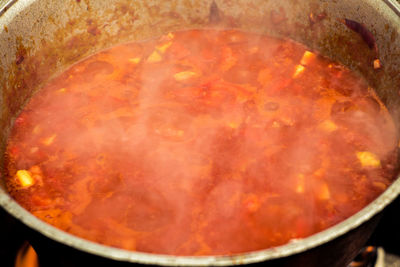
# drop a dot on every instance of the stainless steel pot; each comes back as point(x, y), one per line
point(40, 38)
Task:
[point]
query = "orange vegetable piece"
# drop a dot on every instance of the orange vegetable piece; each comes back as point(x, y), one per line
point(25, 178)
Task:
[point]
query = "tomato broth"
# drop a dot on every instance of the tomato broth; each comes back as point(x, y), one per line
point(201, 142)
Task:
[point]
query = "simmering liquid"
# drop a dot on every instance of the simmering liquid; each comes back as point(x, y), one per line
point(201, 142)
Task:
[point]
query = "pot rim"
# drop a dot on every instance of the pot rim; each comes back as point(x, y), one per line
point(295, 246)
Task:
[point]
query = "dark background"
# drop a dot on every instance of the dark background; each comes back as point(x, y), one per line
point(11, 238)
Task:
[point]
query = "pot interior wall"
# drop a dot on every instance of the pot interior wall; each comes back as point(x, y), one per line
point(39, 39)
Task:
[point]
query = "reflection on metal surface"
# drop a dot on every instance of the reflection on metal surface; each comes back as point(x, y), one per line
point(366, 258)
point(5, 5)
point(395, 5)
point(375, 257)
point(386, 259)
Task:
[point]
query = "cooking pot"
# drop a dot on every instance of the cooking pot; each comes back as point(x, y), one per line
point(41, 38)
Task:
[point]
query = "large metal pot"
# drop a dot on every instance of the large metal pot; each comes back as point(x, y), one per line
point(40, 38)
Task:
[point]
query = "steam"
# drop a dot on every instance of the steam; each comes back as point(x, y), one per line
point(239, 148)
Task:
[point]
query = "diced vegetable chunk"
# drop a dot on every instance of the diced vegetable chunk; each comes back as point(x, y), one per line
point(24, 178)
point(185, 75)
point(170, 35)
point(328, 126)
point(49, 140)
point(233, 124)
point(380, 185)
point(324, 192)
point(300, 184)
point(368, 159)
point(35, 169)
point(377, 64)
point(134, 60)
point(154, 57)
point(298, 70)
point(307, 58)
point(162, 48)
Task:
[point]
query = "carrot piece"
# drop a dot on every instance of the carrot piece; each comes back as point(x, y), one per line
point(134, 60)
point(24, 178)
point(298, 70)
point(324, 192)
point(49, 140)
point(368, 159)
point(184, 75)
point(307, 58)
point(327, 126)
point(154, 57)
point(163, 47)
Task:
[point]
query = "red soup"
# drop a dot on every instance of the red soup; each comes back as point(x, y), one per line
point(201, 142)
